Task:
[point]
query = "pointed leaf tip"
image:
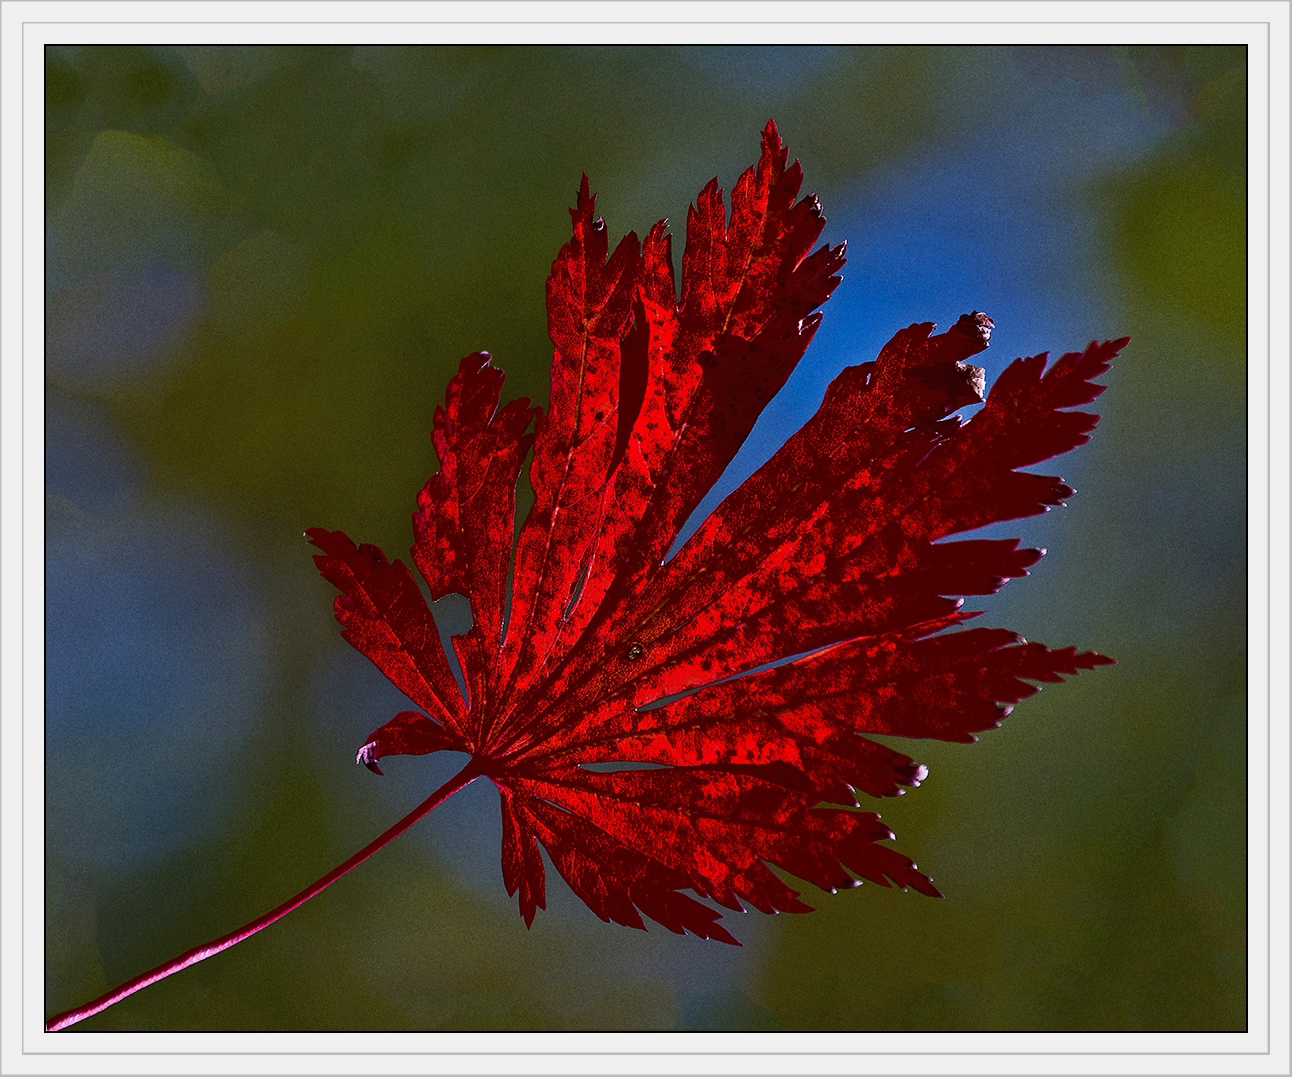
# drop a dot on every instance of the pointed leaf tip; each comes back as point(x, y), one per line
point(584, 211)
point(367, 755)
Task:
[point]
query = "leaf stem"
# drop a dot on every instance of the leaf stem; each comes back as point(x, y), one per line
point(460, 781)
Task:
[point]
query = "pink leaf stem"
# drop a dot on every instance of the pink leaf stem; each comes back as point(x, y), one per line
point(460, 781)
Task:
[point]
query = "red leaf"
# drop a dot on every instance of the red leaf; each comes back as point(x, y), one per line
point(735, 686)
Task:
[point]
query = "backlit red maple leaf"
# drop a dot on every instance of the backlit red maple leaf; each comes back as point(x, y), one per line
point(589, 648)
point(661, 724)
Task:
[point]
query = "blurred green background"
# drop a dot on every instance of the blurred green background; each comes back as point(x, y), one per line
point(262, 267)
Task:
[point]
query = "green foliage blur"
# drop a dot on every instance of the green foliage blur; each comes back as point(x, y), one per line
point(360, 218)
